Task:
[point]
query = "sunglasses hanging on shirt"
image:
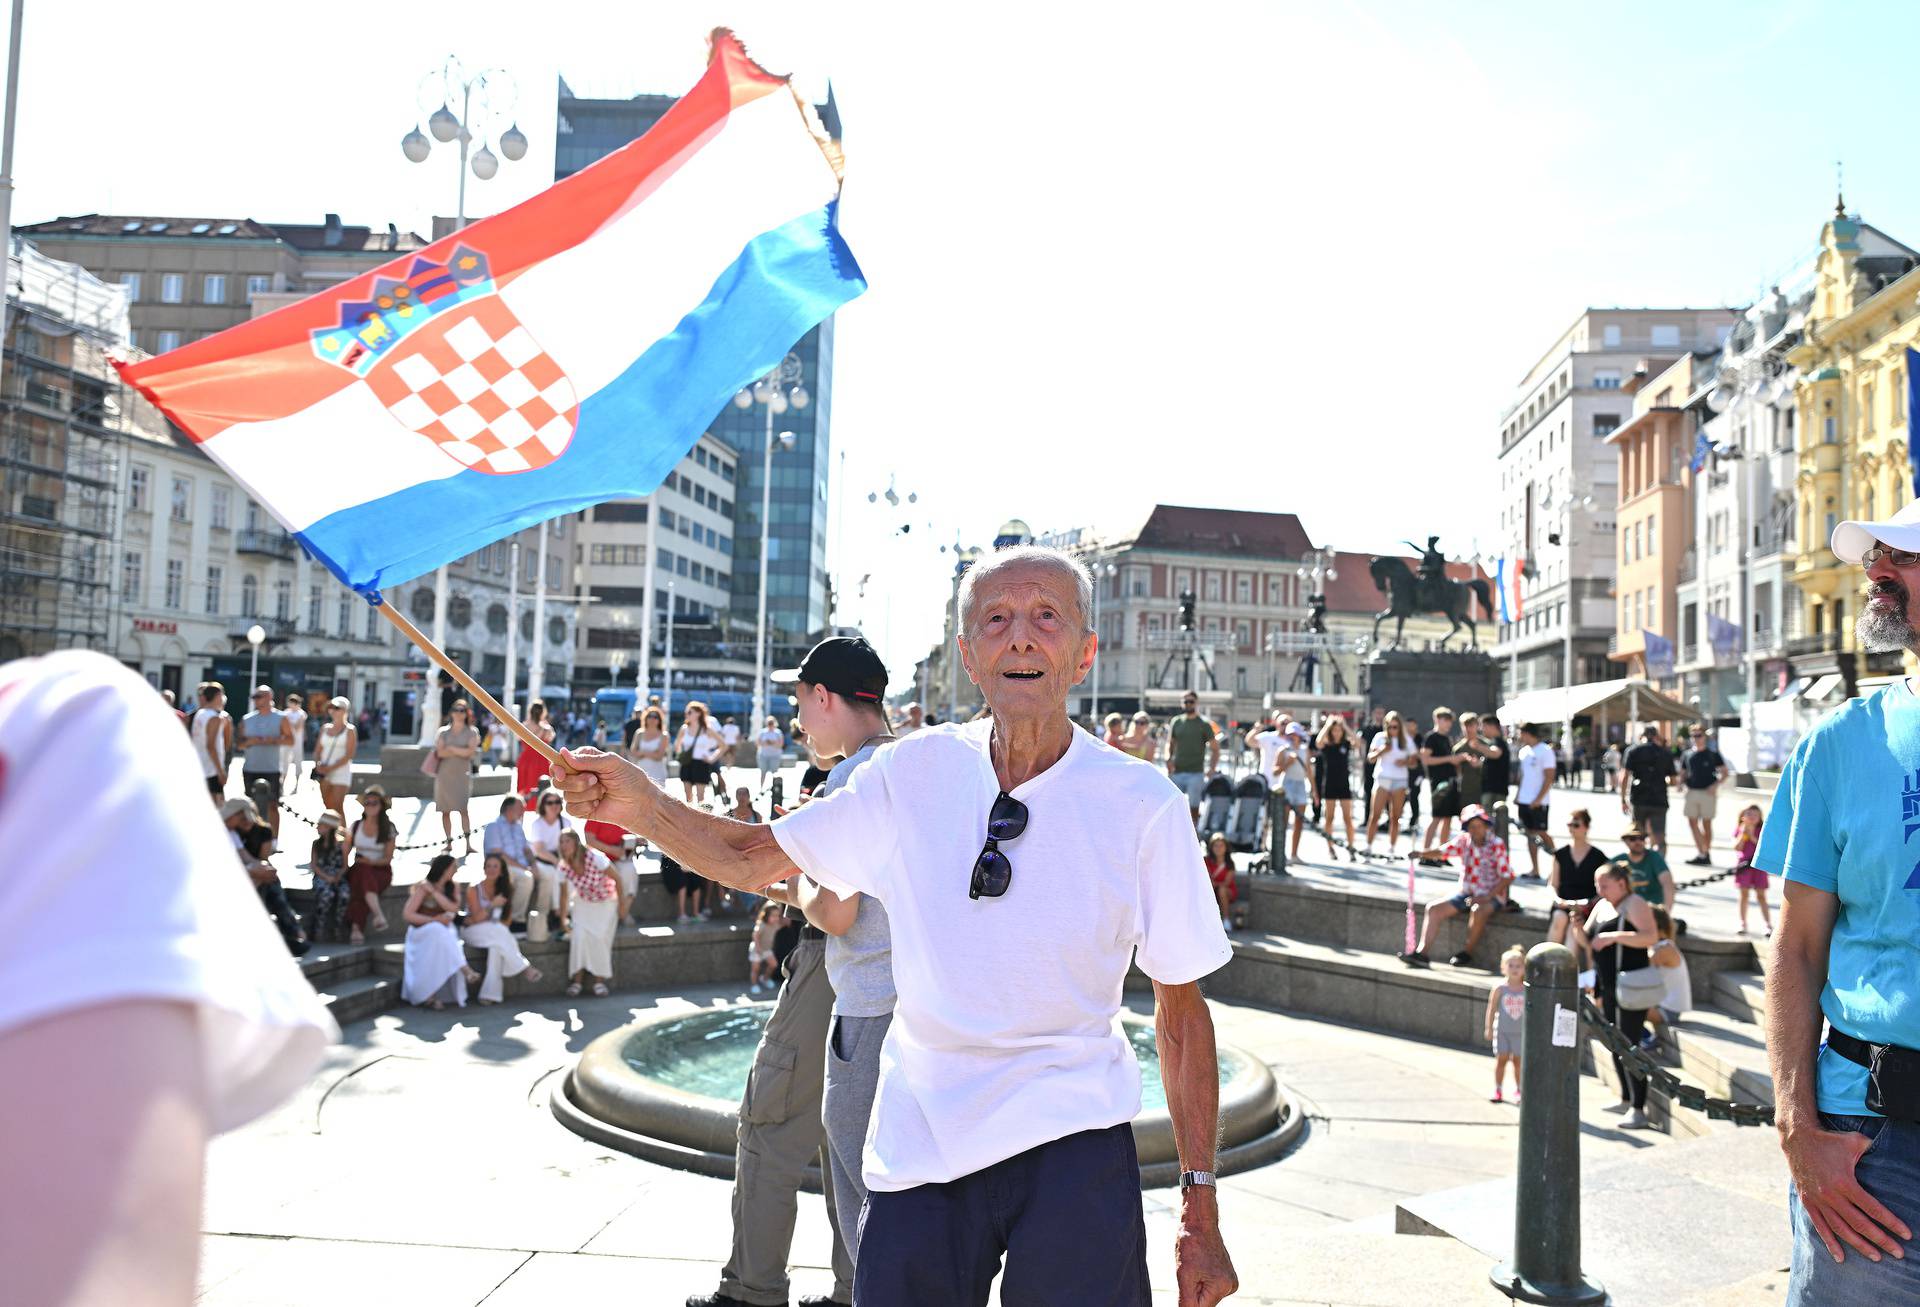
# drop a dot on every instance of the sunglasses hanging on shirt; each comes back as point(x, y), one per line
point(992, 873)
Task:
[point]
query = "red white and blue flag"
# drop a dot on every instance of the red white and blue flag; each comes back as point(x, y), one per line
point(565, 352)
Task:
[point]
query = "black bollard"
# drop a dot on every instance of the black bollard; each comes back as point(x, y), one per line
point(779, 794)
point(1545, 1266)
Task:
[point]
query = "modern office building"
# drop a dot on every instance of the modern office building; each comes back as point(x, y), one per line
point(589, 129)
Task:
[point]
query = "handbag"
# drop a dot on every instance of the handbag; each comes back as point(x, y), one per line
point(1636, 991)
point(430, 765)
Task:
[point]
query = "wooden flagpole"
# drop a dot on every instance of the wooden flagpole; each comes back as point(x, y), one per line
point(453, 669)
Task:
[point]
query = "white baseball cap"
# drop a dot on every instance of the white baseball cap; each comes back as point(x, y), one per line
point(1901, 531)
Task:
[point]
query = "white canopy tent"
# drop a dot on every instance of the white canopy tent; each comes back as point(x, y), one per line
point(1630, 700)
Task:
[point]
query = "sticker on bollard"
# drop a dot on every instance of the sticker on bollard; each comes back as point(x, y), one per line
point(1565, 1022)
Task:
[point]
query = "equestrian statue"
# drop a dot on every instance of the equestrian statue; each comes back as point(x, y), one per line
point(1430, 590)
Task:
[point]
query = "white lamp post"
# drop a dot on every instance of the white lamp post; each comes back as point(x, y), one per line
point(256, 636)
point(1102, 572)
point(666, 663)
point(779, 390)
point(1319, 571)
point(486, 99)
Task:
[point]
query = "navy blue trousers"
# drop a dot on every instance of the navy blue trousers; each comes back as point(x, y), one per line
point(1066, 1216)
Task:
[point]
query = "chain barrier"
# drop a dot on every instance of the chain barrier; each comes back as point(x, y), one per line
point(1640, 1062)
point(314, 822)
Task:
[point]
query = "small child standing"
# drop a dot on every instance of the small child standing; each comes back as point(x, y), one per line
point(760, 950)
point(1746, 876)
point(1506, 1012)
point(1220, 872)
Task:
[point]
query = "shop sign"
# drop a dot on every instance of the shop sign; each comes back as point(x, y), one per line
point(153, 626)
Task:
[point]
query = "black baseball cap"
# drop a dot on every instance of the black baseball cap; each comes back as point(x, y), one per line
point(842, 664)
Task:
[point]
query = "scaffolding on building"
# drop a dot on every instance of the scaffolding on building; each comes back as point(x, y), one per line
point(64, 420)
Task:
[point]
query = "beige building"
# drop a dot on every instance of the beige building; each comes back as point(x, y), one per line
point(1558, 489)
point(191, 277)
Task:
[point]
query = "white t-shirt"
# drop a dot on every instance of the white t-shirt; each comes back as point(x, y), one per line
point(704, 747)
point(544, 833)
point(1393, 763)
point(1005, 1034)
point(296, 718)
point(1536, 760)
point(1270, 743)
point(140, 900)
point(730, 734)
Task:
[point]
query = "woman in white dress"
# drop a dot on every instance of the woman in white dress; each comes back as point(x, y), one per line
point(489, 906)
point(649, 747)
point(435, 967)
point(591, 904)
point(296, 753)
point(333, 755)
point(769, 745)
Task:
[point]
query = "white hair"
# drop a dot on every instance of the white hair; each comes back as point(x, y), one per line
point(1017, 554)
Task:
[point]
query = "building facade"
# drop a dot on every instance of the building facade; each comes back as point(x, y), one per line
point(589, 129)
point(191, 277)
point(1853, 456)
point(1558, 487)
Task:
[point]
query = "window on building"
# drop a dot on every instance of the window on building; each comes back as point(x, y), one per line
point(1829, 430)
point(620, 513)
point(165, 340)
point(176, 583)
point(1665, 336)
point(343, 614)
point(259, 284)
point(182, 508)
point(213, 288)
point(1610, 335)
point(313, 609)
point(680, 566)
point(249, 594)
point(283, 600)
point(1243, 589)
point(1213, 587)
point(373, 624)
point(666, 519)
point(665, 561)
point(173, 287)
point(132, 577)
point(131, 280)
point(1866, 405)
point(1605, 424)
point(139, 479)
point(217, 507)
point(1606, 379)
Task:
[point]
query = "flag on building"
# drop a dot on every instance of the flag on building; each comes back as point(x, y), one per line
point(1702, 447)
point(1658, 654)
point(1913, 417)
point(1723, 635)
point(567, 351)
point(1510, 589)
point(1500, 587)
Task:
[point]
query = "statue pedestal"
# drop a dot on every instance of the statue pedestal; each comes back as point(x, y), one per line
point(1413, 683)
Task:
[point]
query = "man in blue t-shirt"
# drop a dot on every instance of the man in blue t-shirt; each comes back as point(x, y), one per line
point(1843, 833)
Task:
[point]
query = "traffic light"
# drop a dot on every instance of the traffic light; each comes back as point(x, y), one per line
point(1187, 622)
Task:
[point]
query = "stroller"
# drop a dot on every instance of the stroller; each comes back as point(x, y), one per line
point(1246, 826)
point(1216, 807)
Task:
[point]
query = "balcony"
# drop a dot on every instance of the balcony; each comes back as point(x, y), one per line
point(273, 544)
point(1821, 642)
point(277, 628)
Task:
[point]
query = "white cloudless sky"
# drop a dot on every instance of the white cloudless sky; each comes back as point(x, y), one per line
point(1289, 257)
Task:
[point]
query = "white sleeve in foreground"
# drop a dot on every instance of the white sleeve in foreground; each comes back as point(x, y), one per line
point(846, 840)
point(1181, 938)
point(132, 890)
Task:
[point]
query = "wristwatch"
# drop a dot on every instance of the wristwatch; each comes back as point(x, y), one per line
point(1190, 1178)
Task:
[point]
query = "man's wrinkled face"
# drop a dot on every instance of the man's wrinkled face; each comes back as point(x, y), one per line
point(1027, 644)
point(1885, 624)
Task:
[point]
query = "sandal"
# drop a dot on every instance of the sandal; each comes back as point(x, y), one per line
point(379, 924)
point(573, 990)
point(533, 975)
point(472, 977)
point(599, 989)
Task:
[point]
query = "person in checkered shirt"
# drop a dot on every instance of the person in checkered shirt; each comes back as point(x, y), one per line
point(1485, 875)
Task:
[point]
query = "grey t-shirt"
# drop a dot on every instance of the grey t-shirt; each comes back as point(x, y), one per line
point(260, 731)
point(860, 962)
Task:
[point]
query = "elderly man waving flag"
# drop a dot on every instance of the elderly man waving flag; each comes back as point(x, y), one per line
point(1023, 867)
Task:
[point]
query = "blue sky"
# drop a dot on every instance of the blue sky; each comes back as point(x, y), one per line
point(1283, 256)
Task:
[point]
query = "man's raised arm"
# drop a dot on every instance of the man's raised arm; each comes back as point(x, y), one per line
point(609, 788)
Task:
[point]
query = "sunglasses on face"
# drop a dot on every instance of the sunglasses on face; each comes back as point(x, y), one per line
point(992, 873)
point(1633, 839)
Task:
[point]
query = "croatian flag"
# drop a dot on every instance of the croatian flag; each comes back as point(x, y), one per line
point(565, 352)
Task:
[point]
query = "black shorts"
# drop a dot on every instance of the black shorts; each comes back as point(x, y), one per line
point(1446, 799)
point(1533, 817)
point(217, 786)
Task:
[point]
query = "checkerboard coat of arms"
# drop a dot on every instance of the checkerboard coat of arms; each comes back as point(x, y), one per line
point(451, 362)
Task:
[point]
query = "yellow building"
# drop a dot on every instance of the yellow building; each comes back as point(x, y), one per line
point(1852, 420)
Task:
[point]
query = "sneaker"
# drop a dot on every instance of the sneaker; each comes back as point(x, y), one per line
point(682, 919)
point(1497, 1098)
point(1415, 959)
point(1740, 930)
point(1461, 959)
point(1700, 860)
point(1622, 1106)
point(1650, 1042)
point(1636, 1120)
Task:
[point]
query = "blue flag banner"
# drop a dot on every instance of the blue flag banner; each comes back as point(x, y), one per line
point(1913, 417)
point(1658, 655)
point(1500, 586)
point(1724, 636)
point(1701, 448)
